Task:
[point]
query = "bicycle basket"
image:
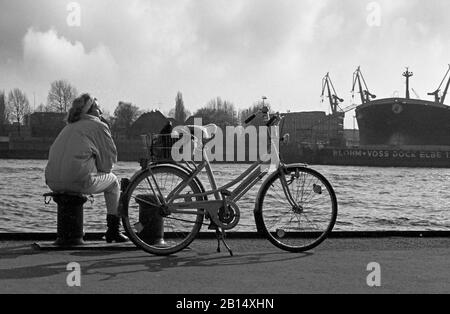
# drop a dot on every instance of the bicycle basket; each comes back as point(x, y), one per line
point(159, 146)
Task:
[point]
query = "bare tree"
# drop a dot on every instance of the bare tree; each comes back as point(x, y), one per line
point(3, 113)
point(18, 105)
point(180, 112)
point(218, 111)
point(124, 116)
point(42, 108)
point(61, 96)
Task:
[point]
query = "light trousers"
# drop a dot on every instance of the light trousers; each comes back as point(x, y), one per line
point(106, 183)
point(109, 185)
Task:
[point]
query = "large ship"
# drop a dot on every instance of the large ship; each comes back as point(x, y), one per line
point(403, 121)
point(397, 131)
point(392, 132)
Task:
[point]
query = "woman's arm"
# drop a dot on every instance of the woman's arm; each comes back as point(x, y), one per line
point(106, 155)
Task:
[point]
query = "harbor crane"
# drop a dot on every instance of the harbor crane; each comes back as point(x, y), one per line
point(440, 99)
point(358, 78)
point(335, 100)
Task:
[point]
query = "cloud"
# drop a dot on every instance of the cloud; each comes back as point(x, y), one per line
point(252, 29)
point(146, 51)
point(48, 56)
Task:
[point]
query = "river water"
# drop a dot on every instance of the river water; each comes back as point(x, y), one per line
point(369, 199)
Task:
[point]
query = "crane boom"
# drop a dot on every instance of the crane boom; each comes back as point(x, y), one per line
point(441, 99)
point(334, 99)
point(358, 78)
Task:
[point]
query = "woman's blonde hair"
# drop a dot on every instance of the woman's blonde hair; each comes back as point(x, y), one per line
point(77, 108)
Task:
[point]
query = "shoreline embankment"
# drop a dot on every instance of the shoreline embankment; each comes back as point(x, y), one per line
point(96, 236)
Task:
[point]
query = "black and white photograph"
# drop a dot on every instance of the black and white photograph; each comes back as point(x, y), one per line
point(224, 155)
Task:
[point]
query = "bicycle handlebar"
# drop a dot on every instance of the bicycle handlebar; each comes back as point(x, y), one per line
point(269, 123)
point(249, 119)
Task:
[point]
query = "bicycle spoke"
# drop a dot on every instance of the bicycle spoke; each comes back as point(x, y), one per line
point(302, 225)
point(185, 220)
point(144, 215)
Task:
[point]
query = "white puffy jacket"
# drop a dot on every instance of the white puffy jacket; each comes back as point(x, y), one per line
point(81, 150)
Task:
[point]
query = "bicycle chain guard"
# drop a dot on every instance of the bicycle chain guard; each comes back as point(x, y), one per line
point(225, 219)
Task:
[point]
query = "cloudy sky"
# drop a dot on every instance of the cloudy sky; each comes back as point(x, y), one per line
point(240, 50)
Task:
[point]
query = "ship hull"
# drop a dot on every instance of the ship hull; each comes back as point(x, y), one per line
point(403, 122)
point(376, 156)
point(386, 157)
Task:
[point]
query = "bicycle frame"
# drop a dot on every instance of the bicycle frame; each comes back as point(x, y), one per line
point(247, 180)
point(223, 212)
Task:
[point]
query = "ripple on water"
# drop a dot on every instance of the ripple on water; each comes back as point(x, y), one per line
point(369, 198)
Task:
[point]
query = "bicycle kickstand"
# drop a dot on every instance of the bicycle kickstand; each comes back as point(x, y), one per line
point(221, 237)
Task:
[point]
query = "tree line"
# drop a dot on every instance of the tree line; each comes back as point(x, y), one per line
point(221, 112)
point(14, 106)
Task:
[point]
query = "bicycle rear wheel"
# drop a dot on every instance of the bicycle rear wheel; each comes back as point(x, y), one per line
point(304, 223)
point(147, 225)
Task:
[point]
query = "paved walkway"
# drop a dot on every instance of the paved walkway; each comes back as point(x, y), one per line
point(408, 265)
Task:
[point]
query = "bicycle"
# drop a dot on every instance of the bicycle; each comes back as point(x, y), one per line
point(295, 209)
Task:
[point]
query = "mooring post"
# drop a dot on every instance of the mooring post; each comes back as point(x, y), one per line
point(151, 220)
point(69, 218)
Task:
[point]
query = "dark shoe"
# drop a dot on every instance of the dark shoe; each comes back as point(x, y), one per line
point(113, 234)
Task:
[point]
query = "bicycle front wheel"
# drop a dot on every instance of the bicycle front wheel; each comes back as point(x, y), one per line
point(147, 225)
point(300, 216)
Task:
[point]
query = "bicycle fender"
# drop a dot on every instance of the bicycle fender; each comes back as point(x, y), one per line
point(255, 210)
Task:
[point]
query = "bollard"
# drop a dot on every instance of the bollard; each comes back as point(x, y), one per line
point(151, 220)
point(69, 219)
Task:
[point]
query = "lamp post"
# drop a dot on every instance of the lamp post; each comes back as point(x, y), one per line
point(264, 109)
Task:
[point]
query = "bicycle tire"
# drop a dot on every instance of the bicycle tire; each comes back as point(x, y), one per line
point(130, 220)
point(296, 238)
